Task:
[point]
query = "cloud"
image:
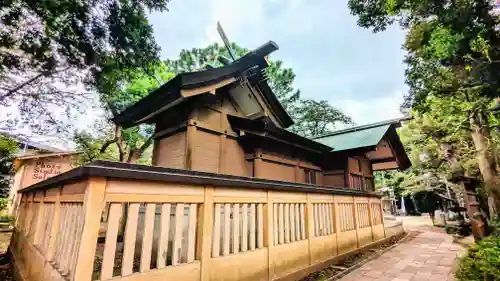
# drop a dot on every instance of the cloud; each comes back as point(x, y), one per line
point(358, 71)
point(365, 111)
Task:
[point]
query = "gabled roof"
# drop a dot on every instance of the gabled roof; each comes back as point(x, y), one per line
point(368, 135)
point(366, 138)
point(355, 139)
point(170, 93)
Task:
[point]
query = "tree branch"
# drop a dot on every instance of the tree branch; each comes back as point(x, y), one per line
point(29, 81)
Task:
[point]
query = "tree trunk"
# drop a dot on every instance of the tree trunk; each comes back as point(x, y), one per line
point(486, 159)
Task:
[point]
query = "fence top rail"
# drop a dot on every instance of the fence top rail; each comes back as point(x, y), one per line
point(118, 170)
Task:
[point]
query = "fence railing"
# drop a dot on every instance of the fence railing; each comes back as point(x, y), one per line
point(134, 223)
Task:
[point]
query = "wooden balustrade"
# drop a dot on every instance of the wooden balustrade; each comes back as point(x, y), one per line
point(135, 229)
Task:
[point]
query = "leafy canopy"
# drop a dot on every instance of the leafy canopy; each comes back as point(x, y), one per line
point(53, 52)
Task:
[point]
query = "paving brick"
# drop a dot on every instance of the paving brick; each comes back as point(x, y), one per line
point(428, 256)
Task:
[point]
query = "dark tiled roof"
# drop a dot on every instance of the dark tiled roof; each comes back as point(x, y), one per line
point(120, 170)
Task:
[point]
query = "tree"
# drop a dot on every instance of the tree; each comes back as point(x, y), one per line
point(8, 150)
point(45, 44)
point(280, 79)
point(311, 117)
point(121, 89)
point(453, 52)
point(314, 118)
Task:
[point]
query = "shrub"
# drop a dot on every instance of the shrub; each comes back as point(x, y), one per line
point(482, 262)
point(495, 225)
point(3, 203)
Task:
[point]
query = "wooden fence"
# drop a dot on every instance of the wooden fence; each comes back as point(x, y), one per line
point(134, 229)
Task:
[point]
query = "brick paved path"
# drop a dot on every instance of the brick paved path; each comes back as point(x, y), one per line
point(427, 256)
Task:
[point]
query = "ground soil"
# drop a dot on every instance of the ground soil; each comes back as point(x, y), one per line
point(351, 260)
point(5, 268)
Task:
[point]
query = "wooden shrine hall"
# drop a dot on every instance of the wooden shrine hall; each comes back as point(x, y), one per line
point(229, 186)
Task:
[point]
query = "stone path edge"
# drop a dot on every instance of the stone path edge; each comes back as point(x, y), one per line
point(361, 263)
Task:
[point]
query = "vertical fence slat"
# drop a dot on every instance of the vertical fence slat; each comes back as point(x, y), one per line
point(54, 230)
point(326, 219)
point(252, 227)
point(161, 260)
point(260, 225)
point(40, 222)
point(302, 221)
point(177, 245)
point(64, 233)
point(70, 239)
point(227, 229)
point(244, 228)
point(216, 231)
point(130, 235)
point(147, 239)
point(108, 259)
point(297, 221)
point(330, 218)
point(317, 220)
point(79, 230)
point(287, 223)
point(275, 224)
point(292, 223)
point(191, 232)
point(281, 223)
point(236, 228)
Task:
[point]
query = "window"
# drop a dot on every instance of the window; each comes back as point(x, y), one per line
point(369, 186)
point(310, 176)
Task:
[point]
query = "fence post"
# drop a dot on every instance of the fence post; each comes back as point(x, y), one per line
point(309, 224)
point(205, 221)
point(336, 219)
point(382, 216)
point(93, 205)
point(370, 216)
point(356, 220)
point(269, 232)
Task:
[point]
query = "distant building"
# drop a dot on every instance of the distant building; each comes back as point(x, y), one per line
point(35, 162)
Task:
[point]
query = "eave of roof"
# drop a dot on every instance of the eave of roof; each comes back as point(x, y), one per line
point(355, 139)
point(45, 155)
point(269, 130)
point(118, 170)
point(170, 92)
point(396, 122)
point(34, 144)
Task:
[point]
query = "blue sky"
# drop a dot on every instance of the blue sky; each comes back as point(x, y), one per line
point(355, 70)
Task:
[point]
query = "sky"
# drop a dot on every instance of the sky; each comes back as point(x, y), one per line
point(357, 71)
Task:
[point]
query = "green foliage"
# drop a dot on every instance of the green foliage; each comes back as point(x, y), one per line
point(280, 78)
point(453, 74)
point(495, 225)
point(53, 52)
point(482, 261)
point(3, 203)
point(314, 118)
point(8, 151)
point(42, 34)
point(120, 89)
